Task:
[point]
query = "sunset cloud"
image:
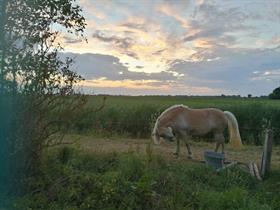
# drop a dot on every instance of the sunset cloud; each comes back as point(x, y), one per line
point(126, 83)
point(267, 75)
point(142, 87)
point(171, 11)
point(177, 47)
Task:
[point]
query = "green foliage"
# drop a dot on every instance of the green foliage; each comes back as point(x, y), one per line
point(135, 116)
point(132, 181)
point(34, 83)
point(275, 94)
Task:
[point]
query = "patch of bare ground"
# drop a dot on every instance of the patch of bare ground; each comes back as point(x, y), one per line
point(246, 154)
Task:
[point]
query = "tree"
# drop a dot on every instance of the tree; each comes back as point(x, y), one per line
point(275, 94)
point(36, 87)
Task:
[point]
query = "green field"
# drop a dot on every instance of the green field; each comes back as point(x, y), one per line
point(112, 165)
point(134, 116)
point(90, 180)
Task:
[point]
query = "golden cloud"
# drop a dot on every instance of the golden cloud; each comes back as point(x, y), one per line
point(166, 87)
point(129, 84)
point(138, 41)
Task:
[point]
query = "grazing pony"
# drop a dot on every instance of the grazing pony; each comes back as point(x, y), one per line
point(180, 122)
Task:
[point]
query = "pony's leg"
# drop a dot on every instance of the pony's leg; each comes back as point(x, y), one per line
point(190, 156)
point(217, 146)
point(223, 147)
point(186, 138)
point(178, 136)
point(220, 140)
point(177, 153)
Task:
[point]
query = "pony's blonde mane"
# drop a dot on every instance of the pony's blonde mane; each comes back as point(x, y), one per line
point(164, 112)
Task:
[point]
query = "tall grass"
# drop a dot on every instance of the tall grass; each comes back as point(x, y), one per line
point(135, 116)
point(133, 181)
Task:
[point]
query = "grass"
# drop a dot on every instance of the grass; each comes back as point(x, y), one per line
point(76, 179)
point(104, 170)
point(97, 144)
point(192, 101)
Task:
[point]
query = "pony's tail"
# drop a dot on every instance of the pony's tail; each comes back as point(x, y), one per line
point(234, 135)
point(155, 135)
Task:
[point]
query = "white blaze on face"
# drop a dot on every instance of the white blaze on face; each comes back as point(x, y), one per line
point(168, 132)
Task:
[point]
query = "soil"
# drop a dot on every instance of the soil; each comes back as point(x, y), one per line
point(246, 154)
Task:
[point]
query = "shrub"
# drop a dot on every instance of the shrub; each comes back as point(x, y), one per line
point(130, 181)
point(275, 94)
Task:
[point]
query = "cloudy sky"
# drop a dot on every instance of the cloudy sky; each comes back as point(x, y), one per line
point(178, 47)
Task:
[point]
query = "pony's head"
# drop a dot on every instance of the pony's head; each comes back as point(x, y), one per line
point(163, 132)
point(166, 133)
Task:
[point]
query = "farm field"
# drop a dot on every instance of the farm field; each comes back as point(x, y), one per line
point(122, 173)
point(113, 165)
point(192, 101)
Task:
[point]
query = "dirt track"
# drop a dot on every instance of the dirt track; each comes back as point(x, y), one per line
point(245, 155)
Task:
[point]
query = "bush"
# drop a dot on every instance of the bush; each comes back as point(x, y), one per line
point(131, 181)
point(275, 94)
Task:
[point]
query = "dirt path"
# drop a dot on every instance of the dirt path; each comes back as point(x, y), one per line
point(245, 155)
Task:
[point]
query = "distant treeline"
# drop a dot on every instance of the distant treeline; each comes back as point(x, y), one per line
point(186, 96)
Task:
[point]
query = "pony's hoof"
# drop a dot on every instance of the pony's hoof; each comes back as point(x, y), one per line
point(190, 157)
point(176, 154)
